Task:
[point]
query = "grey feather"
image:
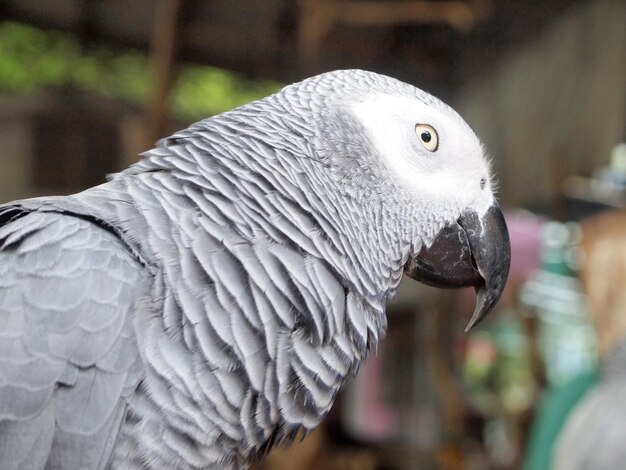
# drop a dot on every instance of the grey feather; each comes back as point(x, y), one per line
point(208, 302)
point(65, 361)
point(594, 433)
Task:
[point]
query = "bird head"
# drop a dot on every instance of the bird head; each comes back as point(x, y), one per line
point(396, 175)
point(397, 146)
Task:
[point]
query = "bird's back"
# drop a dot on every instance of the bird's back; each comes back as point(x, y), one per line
point(68, 353)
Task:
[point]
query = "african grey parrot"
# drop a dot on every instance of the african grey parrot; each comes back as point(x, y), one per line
point(209, 301)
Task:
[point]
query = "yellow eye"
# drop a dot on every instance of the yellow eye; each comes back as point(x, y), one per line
point(427, 136)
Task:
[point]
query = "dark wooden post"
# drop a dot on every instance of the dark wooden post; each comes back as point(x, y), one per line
point(163, 52)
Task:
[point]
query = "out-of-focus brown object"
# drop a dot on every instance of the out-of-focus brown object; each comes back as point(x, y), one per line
point(319, 17)
point(603, 275)
point(316, 452)
point(300, 455)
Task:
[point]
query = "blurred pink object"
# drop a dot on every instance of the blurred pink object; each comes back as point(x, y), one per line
point(525, 230)
point(366, 415)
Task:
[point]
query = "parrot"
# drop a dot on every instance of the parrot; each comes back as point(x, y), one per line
point(208, 302)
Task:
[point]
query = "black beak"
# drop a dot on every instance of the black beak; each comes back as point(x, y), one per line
point(473, 251)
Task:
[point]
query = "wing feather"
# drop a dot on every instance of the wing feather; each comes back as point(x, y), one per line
point(69, 359)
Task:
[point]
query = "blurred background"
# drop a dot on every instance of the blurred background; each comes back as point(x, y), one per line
point(86, 85)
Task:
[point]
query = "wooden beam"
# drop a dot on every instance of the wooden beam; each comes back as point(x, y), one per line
point(461, 15)
point(163, 54)
point(319, 17)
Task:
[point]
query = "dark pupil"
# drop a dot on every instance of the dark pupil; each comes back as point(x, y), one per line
point(426, 136)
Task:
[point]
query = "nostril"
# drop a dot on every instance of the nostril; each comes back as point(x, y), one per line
point(483, 183)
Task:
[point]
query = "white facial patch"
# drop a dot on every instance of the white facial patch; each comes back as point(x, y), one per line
point(451, 174)
point(386, 118)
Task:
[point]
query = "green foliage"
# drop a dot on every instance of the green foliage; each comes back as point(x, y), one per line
point(32, 59)
point(200, 88)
